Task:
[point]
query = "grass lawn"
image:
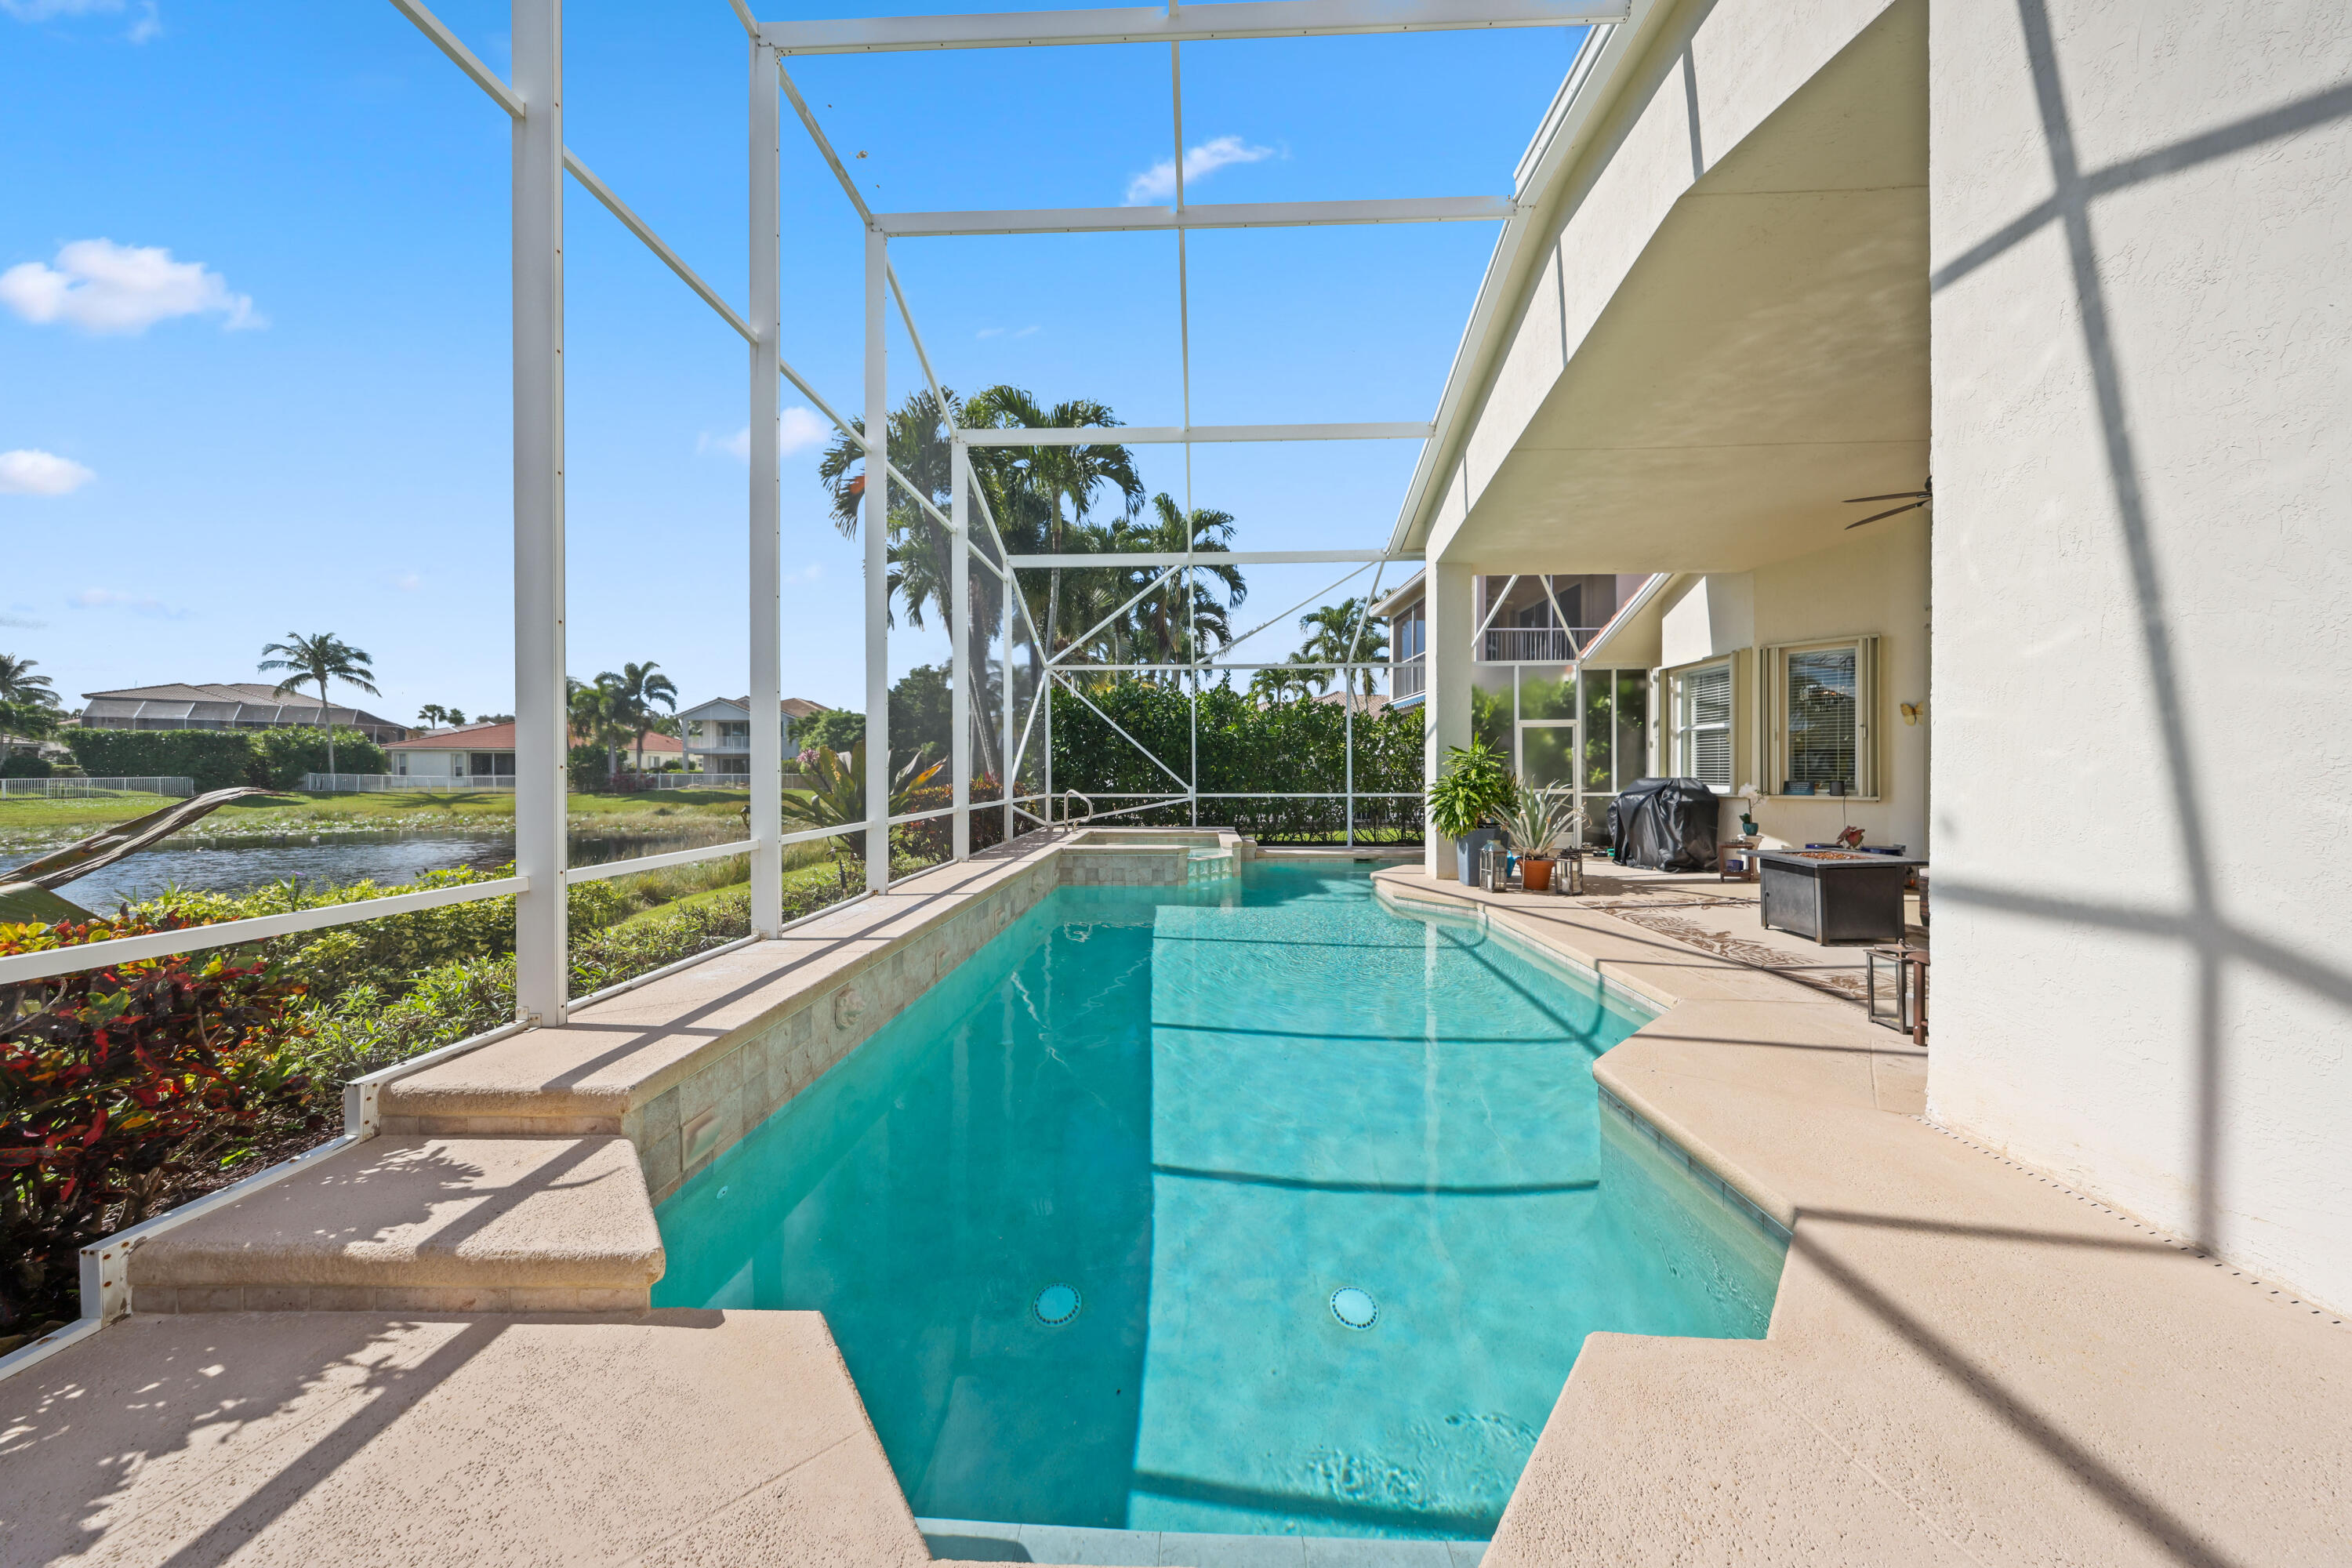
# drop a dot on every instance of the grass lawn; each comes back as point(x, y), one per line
point(24, 818)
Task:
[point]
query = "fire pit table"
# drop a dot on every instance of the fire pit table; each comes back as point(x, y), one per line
point(1835, 894)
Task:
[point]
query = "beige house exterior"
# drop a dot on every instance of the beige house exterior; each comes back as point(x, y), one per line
point(2083, 264)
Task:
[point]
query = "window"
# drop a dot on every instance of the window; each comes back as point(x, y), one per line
point(1821, 696)
point(1702, 711)
point(1411, 632)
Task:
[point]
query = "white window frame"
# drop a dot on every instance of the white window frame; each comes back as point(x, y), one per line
point(1772, 667)
point(1679, 763)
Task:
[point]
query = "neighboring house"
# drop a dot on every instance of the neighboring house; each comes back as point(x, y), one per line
point(488, 751)
point(235, 705)
point(719, 733)
point(1534, 618)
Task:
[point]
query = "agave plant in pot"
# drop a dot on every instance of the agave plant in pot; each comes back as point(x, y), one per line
point(1536, 821)
point(1474, 785)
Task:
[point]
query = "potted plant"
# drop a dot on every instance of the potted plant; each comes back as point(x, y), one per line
point(1473, 785)
point(1537, 819)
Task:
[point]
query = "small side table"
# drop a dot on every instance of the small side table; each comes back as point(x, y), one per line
point(1743, 850)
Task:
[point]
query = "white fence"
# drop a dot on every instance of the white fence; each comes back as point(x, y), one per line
point(715, 781)
point(397, 784)
point(394, 784)
point(76, 789)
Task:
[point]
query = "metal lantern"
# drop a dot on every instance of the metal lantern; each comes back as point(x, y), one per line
point(1492, 861)
point(1568, 873)
point(1903, 1005)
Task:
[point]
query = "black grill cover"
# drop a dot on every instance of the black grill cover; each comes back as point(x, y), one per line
point(1666, 824)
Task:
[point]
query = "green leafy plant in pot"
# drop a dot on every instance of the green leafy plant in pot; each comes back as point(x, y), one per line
point(1473, 784)
point(1539, 820)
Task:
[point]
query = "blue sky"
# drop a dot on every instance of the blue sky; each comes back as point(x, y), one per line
point(254, 333)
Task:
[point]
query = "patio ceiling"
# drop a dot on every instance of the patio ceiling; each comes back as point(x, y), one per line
point(1764, 358)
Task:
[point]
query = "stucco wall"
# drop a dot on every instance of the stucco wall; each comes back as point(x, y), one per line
point(2143, 590)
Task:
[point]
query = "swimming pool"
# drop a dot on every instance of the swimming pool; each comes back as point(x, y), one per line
point(1247, 1207)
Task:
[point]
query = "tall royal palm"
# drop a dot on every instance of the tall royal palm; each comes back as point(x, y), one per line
point(920, 551)
point(636, 691)
point(1064, 481)
point(1341, 634)
point(1171, 625)
point(321, 659)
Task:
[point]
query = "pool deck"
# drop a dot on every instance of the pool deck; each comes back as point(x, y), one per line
point(1967, 1364)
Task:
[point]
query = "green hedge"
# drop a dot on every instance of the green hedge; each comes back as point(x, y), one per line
point(216, 759)
point(1284, 748)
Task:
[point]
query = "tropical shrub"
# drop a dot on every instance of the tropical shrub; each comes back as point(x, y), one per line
point(214, 759)
point(590, 769)
point(385, 956)
point(23, 765)
point(1474, 785)
point(118, 1083)
point(1278, 748)
point(281, 757)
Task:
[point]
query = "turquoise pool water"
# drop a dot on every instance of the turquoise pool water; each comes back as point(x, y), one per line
point(1097, 1220)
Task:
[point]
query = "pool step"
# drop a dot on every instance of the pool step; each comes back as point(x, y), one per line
point(452, 1224)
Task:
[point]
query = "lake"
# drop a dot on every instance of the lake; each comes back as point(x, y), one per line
point(338, 859)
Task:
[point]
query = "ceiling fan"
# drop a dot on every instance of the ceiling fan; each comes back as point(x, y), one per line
point(1913, 500)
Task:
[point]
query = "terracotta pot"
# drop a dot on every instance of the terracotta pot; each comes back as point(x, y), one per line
point(1534, 876)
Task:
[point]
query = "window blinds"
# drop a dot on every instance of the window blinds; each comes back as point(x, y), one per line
point(1821, 693)
point(1706, 724)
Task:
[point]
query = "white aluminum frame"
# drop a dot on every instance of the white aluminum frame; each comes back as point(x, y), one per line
point(540, 160)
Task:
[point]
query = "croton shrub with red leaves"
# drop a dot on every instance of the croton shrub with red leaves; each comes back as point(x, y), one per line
point(118, 1085)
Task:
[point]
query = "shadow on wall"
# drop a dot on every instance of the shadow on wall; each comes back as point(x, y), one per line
point(2210, 939)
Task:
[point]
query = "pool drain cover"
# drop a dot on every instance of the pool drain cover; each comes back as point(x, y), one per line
point(1056, 1305)
point(1355, 1308)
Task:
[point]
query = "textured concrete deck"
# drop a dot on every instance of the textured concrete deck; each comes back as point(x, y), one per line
point(1967, 1362)
point(697, 1438)
point(462, 1224)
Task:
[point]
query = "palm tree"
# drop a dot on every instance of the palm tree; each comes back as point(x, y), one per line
point(1052, 478)
point(1172, 627)
point(599, 716)
point(18, 684)
point(322, 658)
point(636, 692)
point(1338, 634)
point(1282, 683)
point(921, 553)
point(433, 716)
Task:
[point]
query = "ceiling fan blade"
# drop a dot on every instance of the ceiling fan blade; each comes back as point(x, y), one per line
point(1896, 495)
point(1894, 511)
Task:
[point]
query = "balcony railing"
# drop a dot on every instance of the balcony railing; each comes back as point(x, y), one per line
point(1534, 645)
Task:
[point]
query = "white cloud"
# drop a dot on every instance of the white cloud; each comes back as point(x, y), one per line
point(148, 27)
point(1158, 184)
point(797, 429)
point(29, 472)
point(1006, 331)
point(136, 604)
point(408, 581)
point(102, 286)
point(808, 574)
